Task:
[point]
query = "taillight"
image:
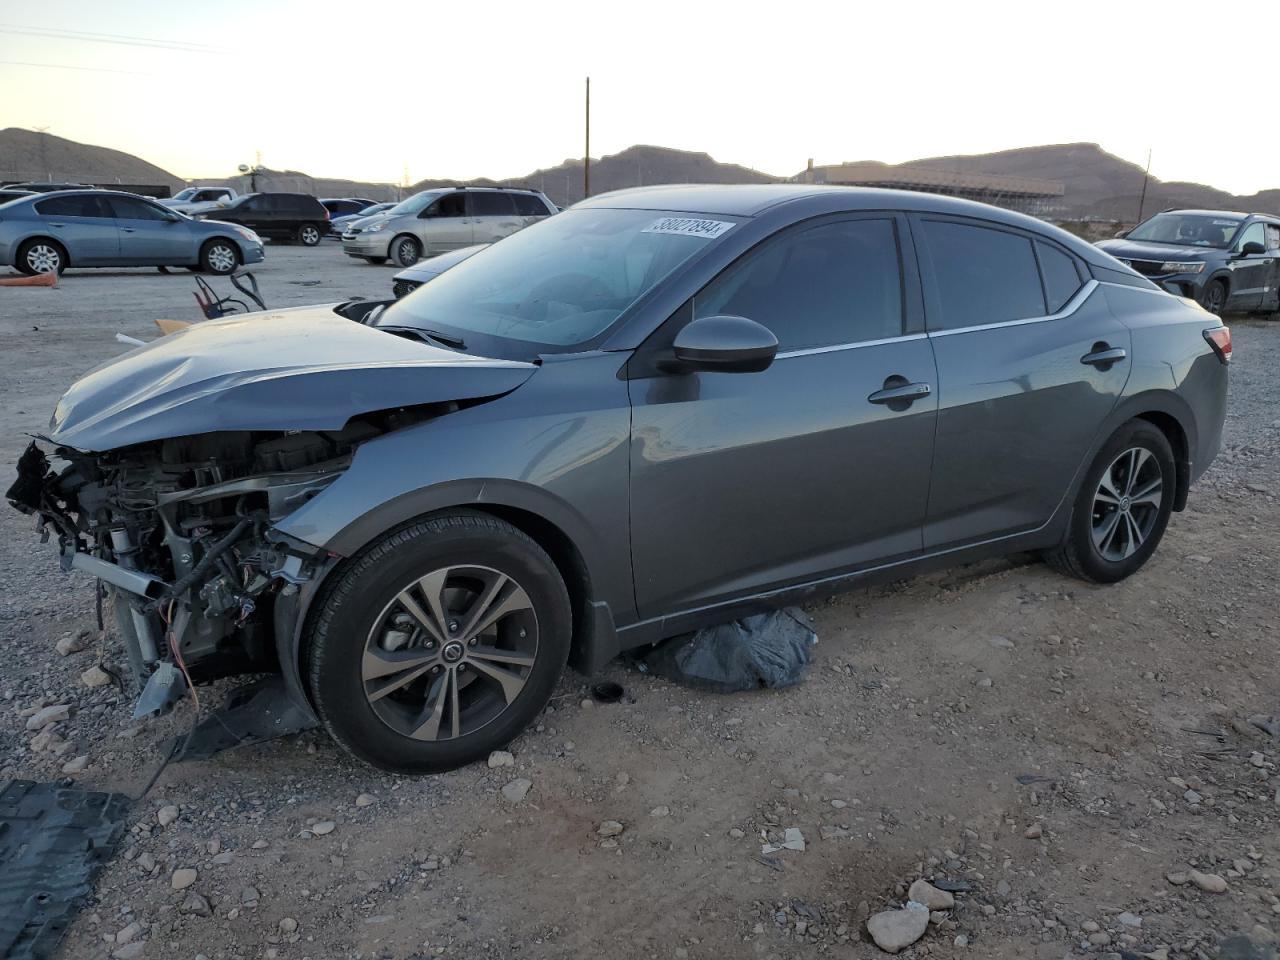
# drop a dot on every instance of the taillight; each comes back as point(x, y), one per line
point(1220, 339)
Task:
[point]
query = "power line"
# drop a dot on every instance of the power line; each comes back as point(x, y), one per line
point(182, 46)
point(68, 66)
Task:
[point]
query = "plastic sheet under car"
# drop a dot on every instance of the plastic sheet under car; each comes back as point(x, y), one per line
point(766, 650)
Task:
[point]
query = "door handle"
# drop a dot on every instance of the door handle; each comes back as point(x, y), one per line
point(897, 391)
point(1103, 355)
point(127, 229)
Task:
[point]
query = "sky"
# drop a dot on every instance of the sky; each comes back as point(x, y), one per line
point(492, 88)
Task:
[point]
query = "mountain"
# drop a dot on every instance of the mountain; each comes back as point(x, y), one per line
point(636, 166)
point(27, 155)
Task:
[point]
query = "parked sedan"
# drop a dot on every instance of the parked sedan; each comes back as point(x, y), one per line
point(47, 233)
point(337, 225)
point(411, 278)
point(1225, 261)
point(659, 410)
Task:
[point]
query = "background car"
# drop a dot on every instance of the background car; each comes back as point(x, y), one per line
point(43, 186)
point(1225, 261)
point(339, 224)
point(46, 233)
point(655, 412)
point(9, 193)
point(279, 216)
point(411, 278)
point(436, 221)
point(345, 206)
point(193, 200)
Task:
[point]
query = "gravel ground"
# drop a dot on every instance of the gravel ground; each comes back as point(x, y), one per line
point(1076, 761)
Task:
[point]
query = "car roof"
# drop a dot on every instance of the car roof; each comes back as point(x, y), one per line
point(801, 201)
point(1268, 217)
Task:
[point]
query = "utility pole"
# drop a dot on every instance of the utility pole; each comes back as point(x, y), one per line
point(1146, 175)
point(586, 165)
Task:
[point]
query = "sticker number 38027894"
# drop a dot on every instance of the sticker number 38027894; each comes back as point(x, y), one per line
point(689, 227)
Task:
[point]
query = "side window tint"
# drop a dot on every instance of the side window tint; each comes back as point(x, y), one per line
point(527, 205)
point(129, 208)
point(980, 275)
point(1061, 278)
point(836, 283)
point(450, 205)
point(1273, 237)
point(496, 204)
point(73, 206)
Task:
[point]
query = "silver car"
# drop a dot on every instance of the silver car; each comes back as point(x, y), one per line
point(437, 221)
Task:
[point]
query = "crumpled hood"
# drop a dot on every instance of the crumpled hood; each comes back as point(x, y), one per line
point(1137, 250)
point(300, 369)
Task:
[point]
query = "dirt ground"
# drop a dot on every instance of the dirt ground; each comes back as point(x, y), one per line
point(1064, 754)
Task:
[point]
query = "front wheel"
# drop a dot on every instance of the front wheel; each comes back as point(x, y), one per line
point(309, 234)
point(1215, 298)
point(406, 251)
point(219, 257)
point(439, 643)
point(1123, 507)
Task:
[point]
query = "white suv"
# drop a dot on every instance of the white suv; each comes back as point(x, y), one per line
point(449, 218)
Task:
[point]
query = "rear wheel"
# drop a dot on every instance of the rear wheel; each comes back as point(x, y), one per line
point(1123, 507)
point(439, 643)
point(309, 234)
point(219, 256)
point(1215, 297)
point(406, 250)
point(41, 256)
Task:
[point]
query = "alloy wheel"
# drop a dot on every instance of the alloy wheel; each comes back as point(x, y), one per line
point(222, 258)
point(310, 236)
point(450, 652)
point(407, 253)
point(43, 258)
point(1215, 299)
point(1126, 504)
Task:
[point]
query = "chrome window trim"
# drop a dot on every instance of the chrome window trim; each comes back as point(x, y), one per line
point(1070, 307)
point(836, 347)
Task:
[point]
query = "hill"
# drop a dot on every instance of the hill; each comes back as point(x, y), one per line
point(27, 155)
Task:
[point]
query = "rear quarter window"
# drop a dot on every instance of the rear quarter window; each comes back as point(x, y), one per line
point(527, 205)
point(1061, 276)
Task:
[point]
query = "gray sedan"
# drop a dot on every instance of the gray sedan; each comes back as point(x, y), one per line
point(661, 409)
point(47, 233)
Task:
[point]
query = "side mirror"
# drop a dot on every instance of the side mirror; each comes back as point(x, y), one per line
point(725, 344)
point(1121, 234)
point(1253, 246)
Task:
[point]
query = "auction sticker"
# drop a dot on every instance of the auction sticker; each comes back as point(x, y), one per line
point(689, 227)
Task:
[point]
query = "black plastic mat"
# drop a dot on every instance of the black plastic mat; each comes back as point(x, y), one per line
point(53, 840)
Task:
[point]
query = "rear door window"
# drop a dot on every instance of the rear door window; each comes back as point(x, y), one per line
point(1273, 237)
point(832, 284)
point(492, 204)
point(84, 205)
point(527, 205)
point(1061, 275)
point(979, 275)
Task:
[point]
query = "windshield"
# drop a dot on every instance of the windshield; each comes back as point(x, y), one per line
point(562, 281)
point(417, 203)
point(1187, 229)
point(186, 194)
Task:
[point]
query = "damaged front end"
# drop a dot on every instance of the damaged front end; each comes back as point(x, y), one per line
point(181, 532)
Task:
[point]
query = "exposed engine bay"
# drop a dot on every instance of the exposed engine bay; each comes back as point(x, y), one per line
point(180, 531)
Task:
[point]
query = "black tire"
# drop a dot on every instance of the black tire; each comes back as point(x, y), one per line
point(310, 234)
point(219, 257)
point(1215, 297)
point(362, 610)
point(374, 259)
point(38, 249)
point(405, 250)
point(1134, 522)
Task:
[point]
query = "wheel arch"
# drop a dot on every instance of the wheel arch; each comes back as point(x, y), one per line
point(1173, 417)
point(41, 237)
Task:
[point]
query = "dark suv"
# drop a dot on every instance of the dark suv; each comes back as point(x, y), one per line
point(279, 216)
point(1227, 262)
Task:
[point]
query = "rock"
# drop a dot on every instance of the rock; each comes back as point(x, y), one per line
point(128, 934)
point(77, 765)
point(892, 930)
point(1034, 832)
point(323, 828)
point(166, 815)
point(610, 828)
point(130, 951)
point(1192, 797)
point(1090, 926)
point(288, 925)
point(1199, 558)
point(517, 789)
point(249, 896)
point(47, 715)
point(95, 676)
point(922, 891)
point(1100, 939)
point(1208, 882)
point(182, 878)
point(1177, 879)
point(1003, 888)
point(1004, 643)
point(660, 812)
point(260, 845)
point(195, 905)
point(223, 858)
point(69, 645)
point(501, 758)
point(735, 833)
point(961, 940)
point(366, 800)
point(1129, 919)
point(146, 862)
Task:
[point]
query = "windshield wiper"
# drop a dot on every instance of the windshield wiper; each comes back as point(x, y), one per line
point(422, 333)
